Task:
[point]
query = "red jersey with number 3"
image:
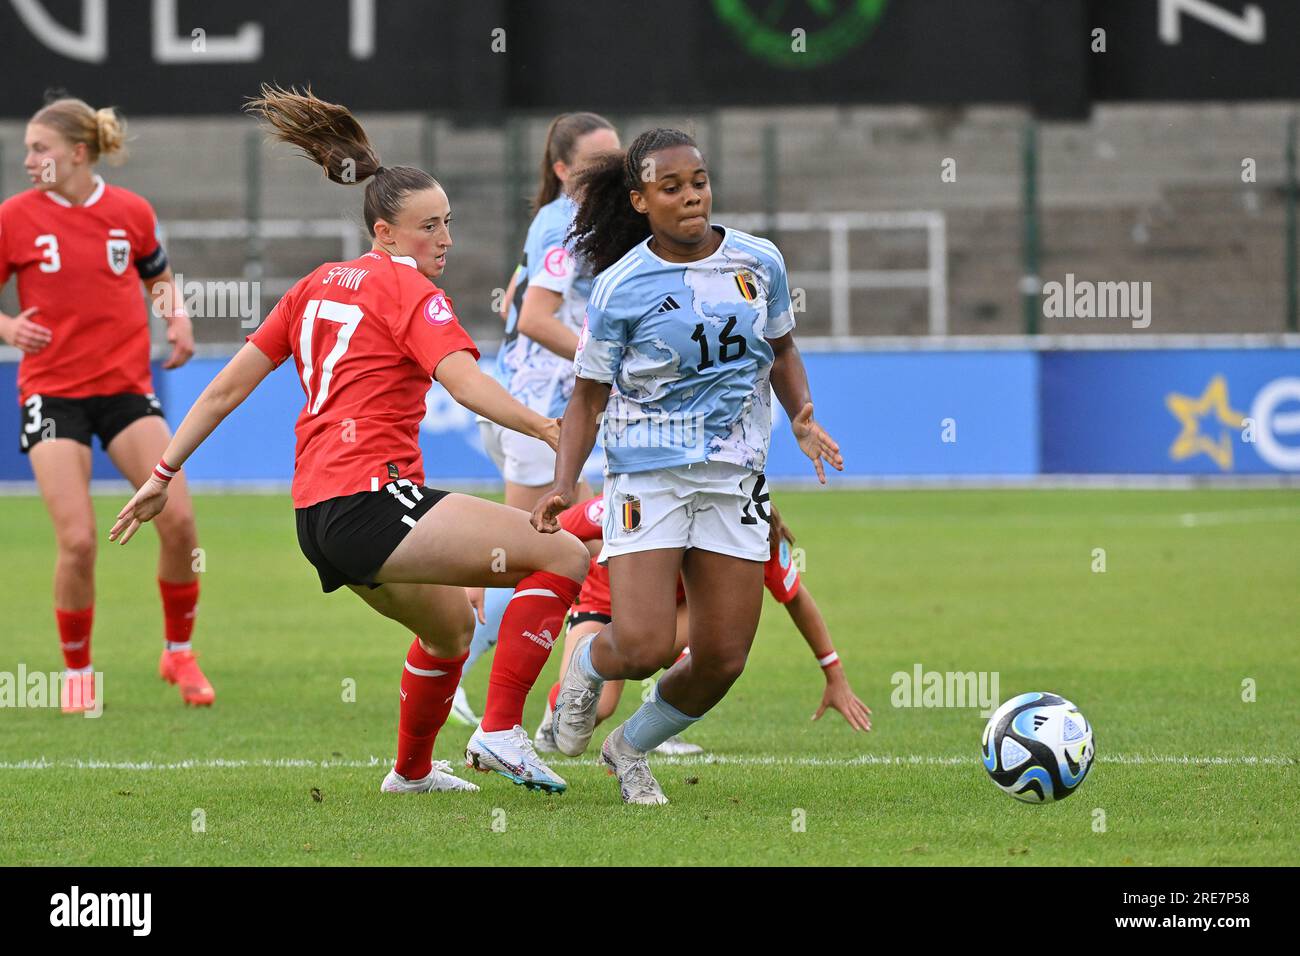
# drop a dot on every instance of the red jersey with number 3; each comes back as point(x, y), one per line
point(82, 267)
point(366, 337)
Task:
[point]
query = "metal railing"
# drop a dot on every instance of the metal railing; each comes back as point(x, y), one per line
point(839, 278)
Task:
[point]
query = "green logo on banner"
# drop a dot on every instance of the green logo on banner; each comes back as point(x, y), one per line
point(831, 28)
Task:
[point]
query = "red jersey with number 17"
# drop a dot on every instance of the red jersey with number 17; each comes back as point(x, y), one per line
point(366, 337)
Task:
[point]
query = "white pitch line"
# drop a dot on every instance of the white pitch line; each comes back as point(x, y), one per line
point(1188, 519)
point(295, 763)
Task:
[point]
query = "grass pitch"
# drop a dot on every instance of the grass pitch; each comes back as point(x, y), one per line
point(1199, 595)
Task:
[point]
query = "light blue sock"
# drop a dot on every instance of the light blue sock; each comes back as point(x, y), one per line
point(654, 722)
point(585, 666)
point(485, 635)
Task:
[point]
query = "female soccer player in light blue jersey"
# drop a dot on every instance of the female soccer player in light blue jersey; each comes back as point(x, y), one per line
point(547, 299)
point(688, 329)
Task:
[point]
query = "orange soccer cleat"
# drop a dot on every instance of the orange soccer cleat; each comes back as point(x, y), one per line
point(77, 693)
point(182, 668)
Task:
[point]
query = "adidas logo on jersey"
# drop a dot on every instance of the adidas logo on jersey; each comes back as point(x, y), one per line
point(668, 304)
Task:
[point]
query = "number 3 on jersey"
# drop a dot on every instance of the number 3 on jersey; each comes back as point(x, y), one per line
point(348, 317)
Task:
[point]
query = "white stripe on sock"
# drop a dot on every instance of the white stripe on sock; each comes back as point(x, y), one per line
point(421, 672)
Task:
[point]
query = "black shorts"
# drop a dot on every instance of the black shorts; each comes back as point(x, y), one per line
point(349, 538)
point(581, 617)
point(46, 417)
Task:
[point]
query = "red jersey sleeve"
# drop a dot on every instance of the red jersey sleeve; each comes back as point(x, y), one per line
point(430, 332)
point(272, 336)
point(585, 520)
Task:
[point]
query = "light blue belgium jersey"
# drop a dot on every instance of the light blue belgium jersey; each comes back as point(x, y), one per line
point(685, 347)
point(533, 374)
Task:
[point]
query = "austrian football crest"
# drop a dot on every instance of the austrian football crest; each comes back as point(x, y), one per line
point(119, 255)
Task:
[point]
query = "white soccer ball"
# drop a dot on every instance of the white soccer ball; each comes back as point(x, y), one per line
point(1038, 747)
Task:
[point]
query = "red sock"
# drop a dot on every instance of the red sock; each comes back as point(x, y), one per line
point(528, 630)
point(74, 636)
point(180, 601)
point(554, 695)
point(428, 686)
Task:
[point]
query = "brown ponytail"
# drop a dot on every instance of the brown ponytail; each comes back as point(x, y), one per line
point(330, 136)
point(561, 138)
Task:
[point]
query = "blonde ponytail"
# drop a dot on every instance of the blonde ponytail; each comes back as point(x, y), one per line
point(111, 134)
point(102, 132)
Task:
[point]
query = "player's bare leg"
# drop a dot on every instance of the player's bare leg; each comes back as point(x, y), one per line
point(725, 595)
point(135, 450)
point(469, 542)
point(62, 470)
point(442, 622)
point(675, 746)
point(643, 588)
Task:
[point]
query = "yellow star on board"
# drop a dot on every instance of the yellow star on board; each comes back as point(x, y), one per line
point(1189, 411)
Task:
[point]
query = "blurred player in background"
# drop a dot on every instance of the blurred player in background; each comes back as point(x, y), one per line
point(81, 249)
point(592, 612)
point(367, 337)
point(686, 325)
point(543, 311)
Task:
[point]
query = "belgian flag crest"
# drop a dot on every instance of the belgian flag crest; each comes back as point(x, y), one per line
point(747, 285)
point(631, 512)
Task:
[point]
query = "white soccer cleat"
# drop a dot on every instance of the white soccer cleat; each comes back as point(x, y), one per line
point(461, 712)
point(440, 778)
point(674, 746)
point(511, 754)
point(636, 783)
point(575, 709)
point(544, 737)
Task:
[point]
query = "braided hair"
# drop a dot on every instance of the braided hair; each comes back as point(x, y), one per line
point(606, 226)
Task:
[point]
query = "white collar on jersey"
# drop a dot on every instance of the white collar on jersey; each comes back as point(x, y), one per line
point(93, 198)
point(726, 234)
point(405, 260)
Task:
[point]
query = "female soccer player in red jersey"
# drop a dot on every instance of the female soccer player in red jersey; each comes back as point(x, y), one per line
point(367, 336)
point(80, 249)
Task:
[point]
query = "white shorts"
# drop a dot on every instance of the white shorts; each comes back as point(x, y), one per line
point(491, 435)
point(524, 460)
point(712, 505)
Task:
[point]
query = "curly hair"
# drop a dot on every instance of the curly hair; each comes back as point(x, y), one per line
point(606, 226)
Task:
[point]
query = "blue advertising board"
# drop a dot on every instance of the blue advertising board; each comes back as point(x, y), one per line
point(1185, 411)
point(909, 413)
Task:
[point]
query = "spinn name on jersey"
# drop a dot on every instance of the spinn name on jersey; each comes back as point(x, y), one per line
point(103, 909)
